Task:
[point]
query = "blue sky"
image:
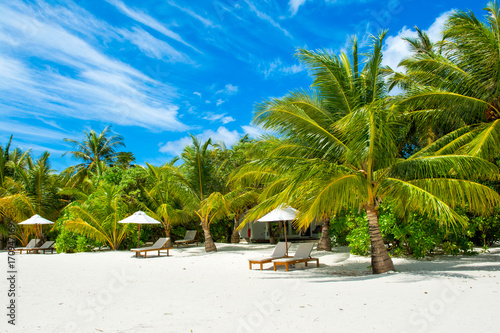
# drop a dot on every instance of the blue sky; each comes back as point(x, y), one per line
point(158, 70)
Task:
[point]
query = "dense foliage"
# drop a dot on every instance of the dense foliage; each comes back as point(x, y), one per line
point(413, 174)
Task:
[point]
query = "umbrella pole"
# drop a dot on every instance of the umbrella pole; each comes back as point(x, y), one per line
point(139, 235)
point(286, 245)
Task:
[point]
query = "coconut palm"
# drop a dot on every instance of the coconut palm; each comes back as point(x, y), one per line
point(338, 150)
point(97, 218)
point(193, 181)
point(96, 151)
point(31, 190)
point(455, 85)
point(163, 202)
point(238, 202)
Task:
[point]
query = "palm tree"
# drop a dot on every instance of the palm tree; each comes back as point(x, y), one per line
point(96, 151)
point(193, 181)
point(162, 201)
point(98, 216)
point(31, 190)
point(338, 150)
point(238, 202)
point(238, 198)
point(455, 86)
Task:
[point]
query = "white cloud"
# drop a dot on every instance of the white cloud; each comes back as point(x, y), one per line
point(293, 6)
point(265, 17)
point(219, 117)
point(219, 102)
point(197, 94)
point(436, 27)
point(293, 69)
point(396, 49)
point(276, 67)
point(28, 131)
point(92, 86)
point(153, 47)
point(149, 21)
point(229, 89)
point(194, 15)
point(174, 148)
point(253, 131)
point(227, 119)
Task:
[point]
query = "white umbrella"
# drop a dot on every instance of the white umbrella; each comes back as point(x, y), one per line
point(280, 214)
point(36, 220)
point(139, 218)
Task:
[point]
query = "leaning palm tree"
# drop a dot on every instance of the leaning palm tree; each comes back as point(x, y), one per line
point(338, 150)
point(456, 88)
point(96, 151)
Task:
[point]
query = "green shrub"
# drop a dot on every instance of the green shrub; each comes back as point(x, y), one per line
point(66, 242)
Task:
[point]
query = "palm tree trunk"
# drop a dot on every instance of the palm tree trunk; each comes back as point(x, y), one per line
point(272, 239)
point(325, 244)
point(166, 227)
point(381, 262)
point(274, 235)
point(209, 242)
point(235, 237)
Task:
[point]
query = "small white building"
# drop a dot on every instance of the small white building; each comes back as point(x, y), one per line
point(257, 232)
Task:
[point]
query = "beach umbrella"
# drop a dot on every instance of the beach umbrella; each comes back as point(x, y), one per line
point(37, 221)
point(139, 218)
point(280, 214)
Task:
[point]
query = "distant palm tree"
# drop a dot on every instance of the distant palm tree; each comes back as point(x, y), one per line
point(455, 86)
point(193, 181)
point(96, 151)
point(31, 189)
point(163, 201)
point(97, 218)
point(338, 150)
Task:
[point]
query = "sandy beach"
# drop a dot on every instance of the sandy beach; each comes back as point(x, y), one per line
point(192, 291)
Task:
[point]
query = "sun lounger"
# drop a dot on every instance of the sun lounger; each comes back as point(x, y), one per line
point(32, 243)
point(303, 254)
point(47, 246)
point(102, 248)
point(160, 245)
point(188, 238)
point(279, 252)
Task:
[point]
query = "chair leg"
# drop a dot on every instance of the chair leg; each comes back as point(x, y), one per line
point(286, 267)
point(260, 266)
point(275, 266)
point(250, 264)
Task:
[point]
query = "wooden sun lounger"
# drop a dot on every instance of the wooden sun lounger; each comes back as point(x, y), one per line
point(279, 252)
point(47, 246)
point(188, 238)
point(160, 245)
point(32, 243)
point(303, 254)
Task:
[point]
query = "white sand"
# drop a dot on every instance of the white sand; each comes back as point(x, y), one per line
point(192, 291)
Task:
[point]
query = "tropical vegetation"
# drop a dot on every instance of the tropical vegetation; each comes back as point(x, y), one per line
point(386, 171)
